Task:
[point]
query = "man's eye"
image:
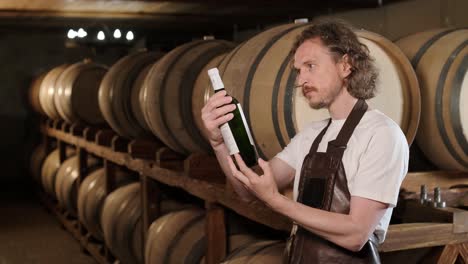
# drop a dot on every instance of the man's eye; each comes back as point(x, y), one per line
point(310, 66)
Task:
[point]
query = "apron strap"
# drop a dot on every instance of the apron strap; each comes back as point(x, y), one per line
point(318, 139)
point(338, 146)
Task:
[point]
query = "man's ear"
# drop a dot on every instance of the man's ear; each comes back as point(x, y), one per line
point(345, 66)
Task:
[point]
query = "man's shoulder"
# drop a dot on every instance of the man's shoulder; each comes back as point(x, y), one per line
point(376, 119)
point(376, 122)
point(315, 125)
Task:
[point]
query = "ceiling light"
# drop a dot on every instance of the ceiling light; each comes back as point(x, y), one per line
point(101, 35)
point(130, 35)
point(71, 34)
point(117, 34)
point(82, 33)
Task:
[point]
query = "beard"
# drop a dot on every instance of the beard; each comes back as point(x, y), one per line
point(323, 101)
point(314, 105)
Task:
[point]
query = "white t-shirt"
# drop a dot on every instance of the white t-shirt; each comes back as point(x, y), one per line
point(375, 160)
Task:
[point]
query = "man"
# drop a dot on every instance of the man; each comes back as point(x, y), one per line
point(335, 72)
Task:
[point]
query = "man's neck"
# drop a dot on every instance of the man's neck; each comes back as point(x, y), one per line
point(341, 107)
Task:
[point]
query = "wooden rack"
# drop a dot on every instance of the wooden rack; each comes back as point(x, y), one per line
point(200, 175)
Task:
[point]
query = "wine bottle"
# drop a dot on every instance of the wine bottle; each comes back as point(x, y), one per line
point(236, 132)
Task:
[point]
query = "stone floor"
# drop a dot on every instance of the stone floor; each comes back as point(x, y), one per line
point(29, 234)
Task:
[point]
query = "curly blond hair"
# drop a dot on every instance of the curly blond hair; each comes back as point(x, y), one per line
point(340, 39)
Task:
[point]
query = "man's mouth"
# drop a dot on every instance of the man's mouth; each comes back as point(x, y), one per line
point(306, 91)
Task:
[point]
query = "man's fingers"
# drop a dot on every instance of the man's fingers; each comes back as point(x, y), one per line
point(217, 100)
point(223, 119)
point(244, 169)
point(223, 110)
point(265, 166)
point(240, 162)
point(236, 173)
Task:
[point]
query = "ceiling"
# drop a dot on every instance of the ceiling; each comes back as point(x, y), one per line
point(171, 14)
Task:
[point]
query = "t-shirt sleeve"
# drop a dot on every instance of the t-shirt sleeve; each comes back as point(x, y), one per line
point(291, 152)
point(383, 166)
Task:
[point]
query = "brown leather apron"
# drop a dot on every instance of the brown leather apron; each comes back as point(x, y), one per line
point(323, 185)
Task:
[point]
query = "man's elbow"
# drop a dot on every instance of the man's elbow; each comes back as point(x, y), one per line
point(356, 242)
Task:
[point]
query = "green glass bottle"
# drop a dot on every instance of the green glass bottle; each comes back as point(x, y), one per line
point(236, 132)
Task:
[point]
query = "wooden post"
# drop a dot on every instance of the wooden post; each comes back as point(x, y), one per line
point(104, 137)
point(82, 171)
point(464, 251)
point(150, 201)
point(215, 228)
point(65, 127)
point(168, 159)
point(47, 143)
point(109, 171)
point(89, 133)
point(204, 167)
point(119, 144)
point(144, 149)
point(62, 146)
point(449, 255)
point(77, 129)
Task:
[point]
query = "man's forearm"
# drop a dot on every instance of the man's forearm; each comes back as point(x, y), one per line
point(341, 229)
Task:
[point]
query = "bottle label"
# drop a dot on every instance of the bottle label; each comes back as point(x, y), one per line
point(229, 139)
point(247, 129)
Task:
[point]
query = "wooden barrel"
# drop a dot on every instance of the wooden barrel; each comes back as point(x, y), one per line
point(66, 188)
point(259, 75)
point(47, 91)
point(180, 237)
point(91, 198)
point(270, 252)
point(167, 94)
point(121, 222)
point(49, 170)
point(440, 58)
point(116, 93)
point(37, 159)
point(138, 87)
point(33, 94)
point(76, 94)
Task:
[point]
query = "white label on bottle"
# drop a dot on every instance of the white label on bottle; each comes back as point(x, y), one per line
point(229, 139)
point(245, 124)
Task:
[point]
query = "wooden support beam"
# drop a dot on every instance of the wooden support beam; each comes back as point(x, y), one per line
point(151, 204)
point(419, 235)
point(412, 211)
point(215, 230)
point(432, 179)
point(399, 237)
point(449, 255)
point(463, 249)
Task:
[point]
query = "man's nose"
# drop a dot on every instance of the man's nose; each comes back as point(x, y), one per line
point(300, 80)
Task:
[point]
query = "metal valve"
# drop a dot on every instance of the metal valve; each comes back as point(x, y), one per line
point(438, 198)
point(423, 194)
